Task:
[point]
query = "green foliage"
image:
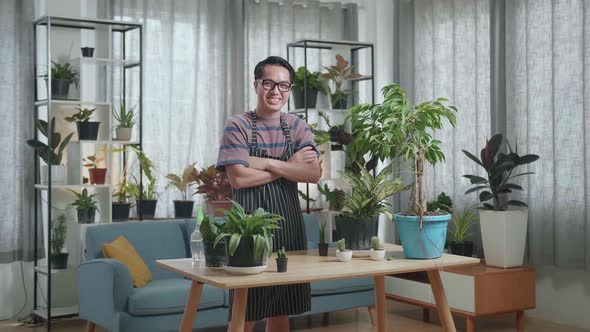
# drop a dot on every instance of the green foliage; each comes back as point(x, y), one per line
point(58, 234)
point(334, 197)
point(50, 155)
point(91, 161)
point(396, 128)
point(461, 224)
point(313, 81)
point(258, 225)
point(281, 253)
point(210, 229)
point(442, 203)
point(213, 183)
point(323, 232)
point(83, 200)
point(83, 115)
point(341, 245)
point(369, 192)
point(147, 166)
point(125, 117)
point(339, 73)
point(182, 183)
point(63, 72)
point(499, 167)
point(376, 243)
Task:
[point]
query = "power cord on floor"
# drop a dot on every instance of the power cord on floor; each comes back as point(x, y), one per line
point(22, 273)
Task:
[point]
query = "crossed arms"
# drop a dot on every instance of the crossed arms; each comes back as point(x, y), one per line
point(303, 166)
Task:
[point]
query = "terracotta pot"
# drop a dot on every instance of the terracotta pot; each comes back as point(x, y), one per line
point(97, 175)
point(214, 205)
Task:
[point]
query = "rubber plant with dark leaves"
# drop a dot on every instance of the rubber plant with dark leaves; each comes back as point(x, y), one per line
point(499, 167)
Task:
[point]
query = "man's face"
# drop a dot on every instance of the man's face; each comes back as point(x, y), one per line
point(274, 99)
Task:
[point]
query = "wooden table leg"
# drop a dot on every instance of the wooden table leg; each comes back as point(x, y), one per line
point(470, 324)
point(372, 314)
point(192, 304)
point(90, 326)
point(380, 305)
point(238, 310)
point(442, 305)
point(520, 320)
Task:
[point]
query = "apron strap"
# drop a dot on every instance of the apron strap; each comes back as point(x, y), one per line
point(286, 130)
point(284, 126)
point(253, 142)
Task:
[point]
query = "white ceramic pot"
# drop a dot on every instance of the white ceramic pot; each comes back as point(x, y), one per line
point(58, 174)
point(503, 234)
point(377, 255)
point(344, 256)
point(123, 133)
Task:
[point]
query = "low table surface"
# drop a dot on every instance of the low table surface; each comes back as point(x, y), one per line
point(308, 266)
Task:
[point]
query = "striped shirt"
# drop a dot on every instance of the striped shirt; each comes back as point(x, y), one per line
point(237, 135)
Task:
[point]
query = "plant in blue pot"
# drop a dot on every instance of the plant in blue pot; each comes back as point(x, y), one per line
point(503, 221)
point(398, 129)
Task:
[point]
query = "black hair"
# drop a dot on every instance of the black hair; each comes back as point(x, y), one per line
point(273, 60)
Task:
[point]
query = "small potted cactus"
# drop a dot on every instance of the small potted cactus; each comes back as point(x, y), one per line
point(377, 252)
point(282, 260)
point(323, 246)
point(343, 254)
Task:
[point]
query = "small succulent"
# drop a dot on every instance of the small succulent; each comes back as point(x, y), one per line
point(281, 253)
point(342, 245)
point(376, 243)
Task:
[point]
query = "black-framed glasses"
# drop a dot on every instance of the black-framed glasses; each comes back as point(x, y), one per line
point(270, 84)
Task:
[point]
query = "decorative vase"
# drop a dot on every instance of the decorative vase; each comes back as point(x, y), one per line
point(503, 234)
point(123, 133)
point(427, 243)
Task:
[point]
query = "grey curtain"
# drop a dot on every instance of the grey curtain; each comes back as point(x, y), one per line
point(443, 50)
point(547, 98)
point(270, 25)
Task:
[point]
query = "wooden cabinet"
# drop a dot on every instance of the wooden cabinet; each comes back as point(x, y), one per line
point(472, 291)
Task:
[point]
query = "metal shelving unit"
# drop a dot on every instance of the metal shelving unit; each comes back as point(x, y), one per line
point(352, 49)
point(107, 70)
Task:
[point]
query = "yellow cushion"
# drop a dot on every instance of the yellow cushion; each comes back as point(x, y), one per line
point(121, 250)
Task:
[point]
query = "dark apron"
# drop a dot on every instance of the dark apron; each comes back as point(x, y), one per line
point(281, 197)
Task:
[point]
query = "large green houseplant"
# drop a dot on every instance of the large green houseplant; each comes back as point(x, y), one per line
point(144, 193)
point(248, 236)
point(359, 221)
point(338, 74)
point(503, 229)
point(398, 129)
point(215, 185)
point(51, 155)
point(306, 85)
point(183, 208)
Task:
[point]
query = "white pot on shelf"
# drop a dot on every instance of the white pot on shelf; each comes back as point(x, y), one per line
point(503, 234)
point(58, 174)
point(377, 255)
point(123, 133)
point(344, 256)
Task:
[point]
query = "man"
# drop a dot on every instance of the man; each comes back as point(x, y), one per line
point(265, 153)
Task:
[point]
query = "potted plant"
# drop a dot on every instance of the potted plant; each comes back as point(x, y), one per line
point(282, 260)
point(85, 205)
point(248, 236)
point(52, 156)
point(358, 223)
point(323, 246)
point(62, 75)
point(338, 74)
point(214, 253)
point(120, 204)
point(59, 259)
point(183, 208)
point(145, 196)
point(126, 120)
point(216, 187)
point(301, 90)
point(460, 233)
point(442, 203)
point(394, 129)
point(343, 254)
point(87, 130)
point(95, 175)
point(87, 52)
point(503, 230)
point(335, 198)
point(377, 252)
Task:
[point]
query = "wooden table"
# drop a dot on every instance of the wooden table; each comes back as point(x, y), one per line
point(307, 266)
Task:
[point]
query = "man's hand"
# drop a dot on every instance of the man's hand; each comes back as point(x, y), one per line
point(303, 156)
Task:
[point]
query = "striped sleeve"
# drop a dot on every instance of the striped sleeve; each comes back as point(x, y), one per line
point(233, 148)
point(302, 135)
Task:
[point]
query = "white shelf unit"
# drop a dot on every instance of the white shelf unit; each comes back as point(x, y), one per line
point(103, 80)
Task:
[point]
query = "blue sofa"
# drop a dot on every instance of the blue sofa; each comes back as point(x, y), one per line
point(107, 297)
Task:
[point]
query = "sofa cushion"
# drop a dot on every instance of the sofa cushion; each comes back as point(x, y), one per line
point(341, 286)
point(168, 296)
point(121, 250)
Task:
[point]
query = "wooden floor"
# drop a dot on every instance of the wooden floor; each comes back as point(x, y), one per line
point(401, 317)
